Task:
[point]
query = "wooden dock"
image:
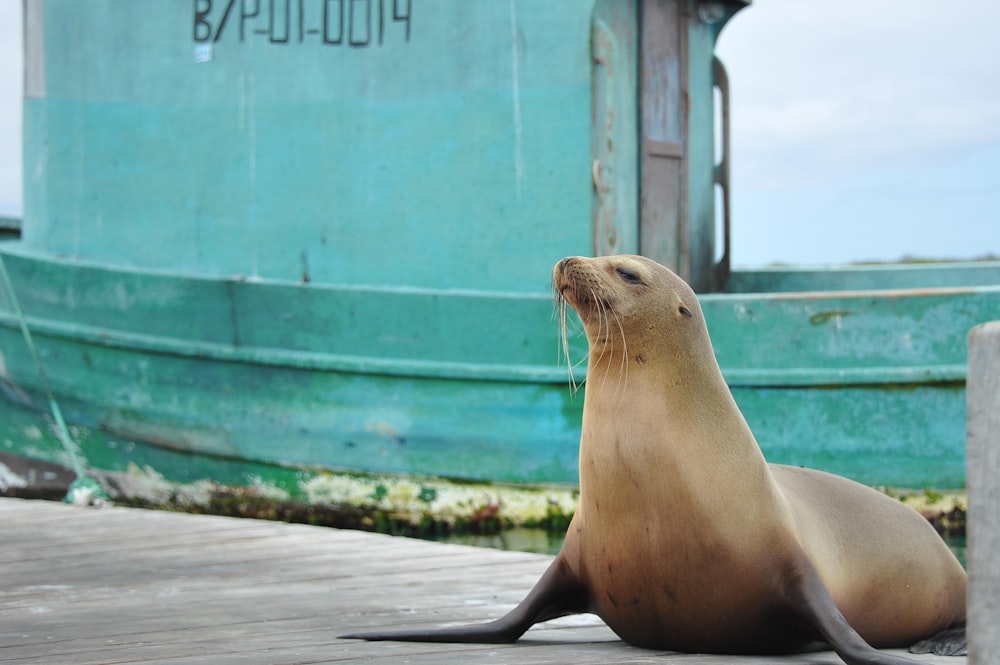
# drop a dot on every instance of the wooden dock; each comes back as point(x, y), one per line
point(117, 585)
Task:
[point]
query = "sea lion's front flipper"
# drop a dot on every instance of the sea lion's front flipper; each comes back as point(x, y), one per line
point(949, 642)
point(556, 594)
point(812, 601)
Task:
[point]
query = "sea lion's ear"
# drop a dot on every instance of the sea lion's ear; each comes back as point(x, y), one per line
point(685, 311)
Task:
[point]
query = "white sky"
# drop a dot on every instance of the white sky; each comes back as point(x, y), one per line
point(864, 129)
point(861, 130)
point(11, 75)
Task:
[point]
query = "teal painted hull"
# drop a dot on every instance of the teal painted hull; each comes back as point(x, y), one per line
point(868, 384)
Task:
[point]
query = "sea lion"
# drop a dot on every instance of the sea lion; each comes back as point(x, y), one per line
point(685, 539)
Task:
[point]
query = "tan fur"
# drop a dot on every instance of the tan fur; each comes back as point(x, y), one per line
point(684, 535)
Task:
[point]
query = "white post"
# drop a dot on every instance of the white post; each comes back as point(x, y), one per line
point(983, 480)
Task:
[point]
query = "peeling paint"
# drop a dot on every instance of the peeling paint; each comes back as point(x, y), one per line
point(516, 100)
point(269, 490)
point(836, 316)
point(402, 499)
point(382, 428)
point(9, 479)
point(415, 498)
point(147, 484)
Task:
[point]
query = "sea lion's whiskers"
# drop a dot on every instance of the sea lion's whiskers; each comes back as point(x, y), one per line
point(623, 372)
point(561, 307)
point(561, 312)
point(604, 332)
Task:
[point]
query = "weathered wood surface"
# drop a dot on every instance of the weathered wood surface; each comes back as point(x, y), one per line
point(983, 396)
point(116, 585)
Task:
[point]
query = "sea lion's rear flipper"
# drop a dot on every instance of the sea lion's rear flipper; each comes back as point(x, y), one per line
point(556, 594)
point(949, 642)
point(812, 601)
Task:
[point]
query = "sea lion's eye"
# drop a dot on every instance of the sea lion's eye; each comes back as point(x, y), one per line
point(685, 311)
point(628, 276)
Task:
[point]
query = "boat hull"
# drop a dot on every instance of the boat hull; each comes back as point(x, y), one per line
point(868, 384)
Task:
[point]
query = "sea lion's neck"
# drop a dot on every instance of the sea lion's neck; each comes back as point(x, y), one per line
point(677, 424)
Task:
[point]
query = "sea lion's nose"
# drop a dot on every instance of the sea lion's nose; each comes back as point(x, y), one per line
point(564, 263)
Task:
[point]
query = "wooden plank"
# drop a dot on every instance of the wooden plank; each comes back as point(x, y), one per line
point(117, 585)
point(983, 459)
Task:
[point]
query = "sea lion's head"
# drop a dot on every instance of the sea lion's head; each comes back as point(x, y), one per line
point(632, 308)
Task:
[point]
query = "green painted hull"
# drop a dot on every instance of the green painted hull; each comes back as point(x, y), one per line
point(868, 384)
